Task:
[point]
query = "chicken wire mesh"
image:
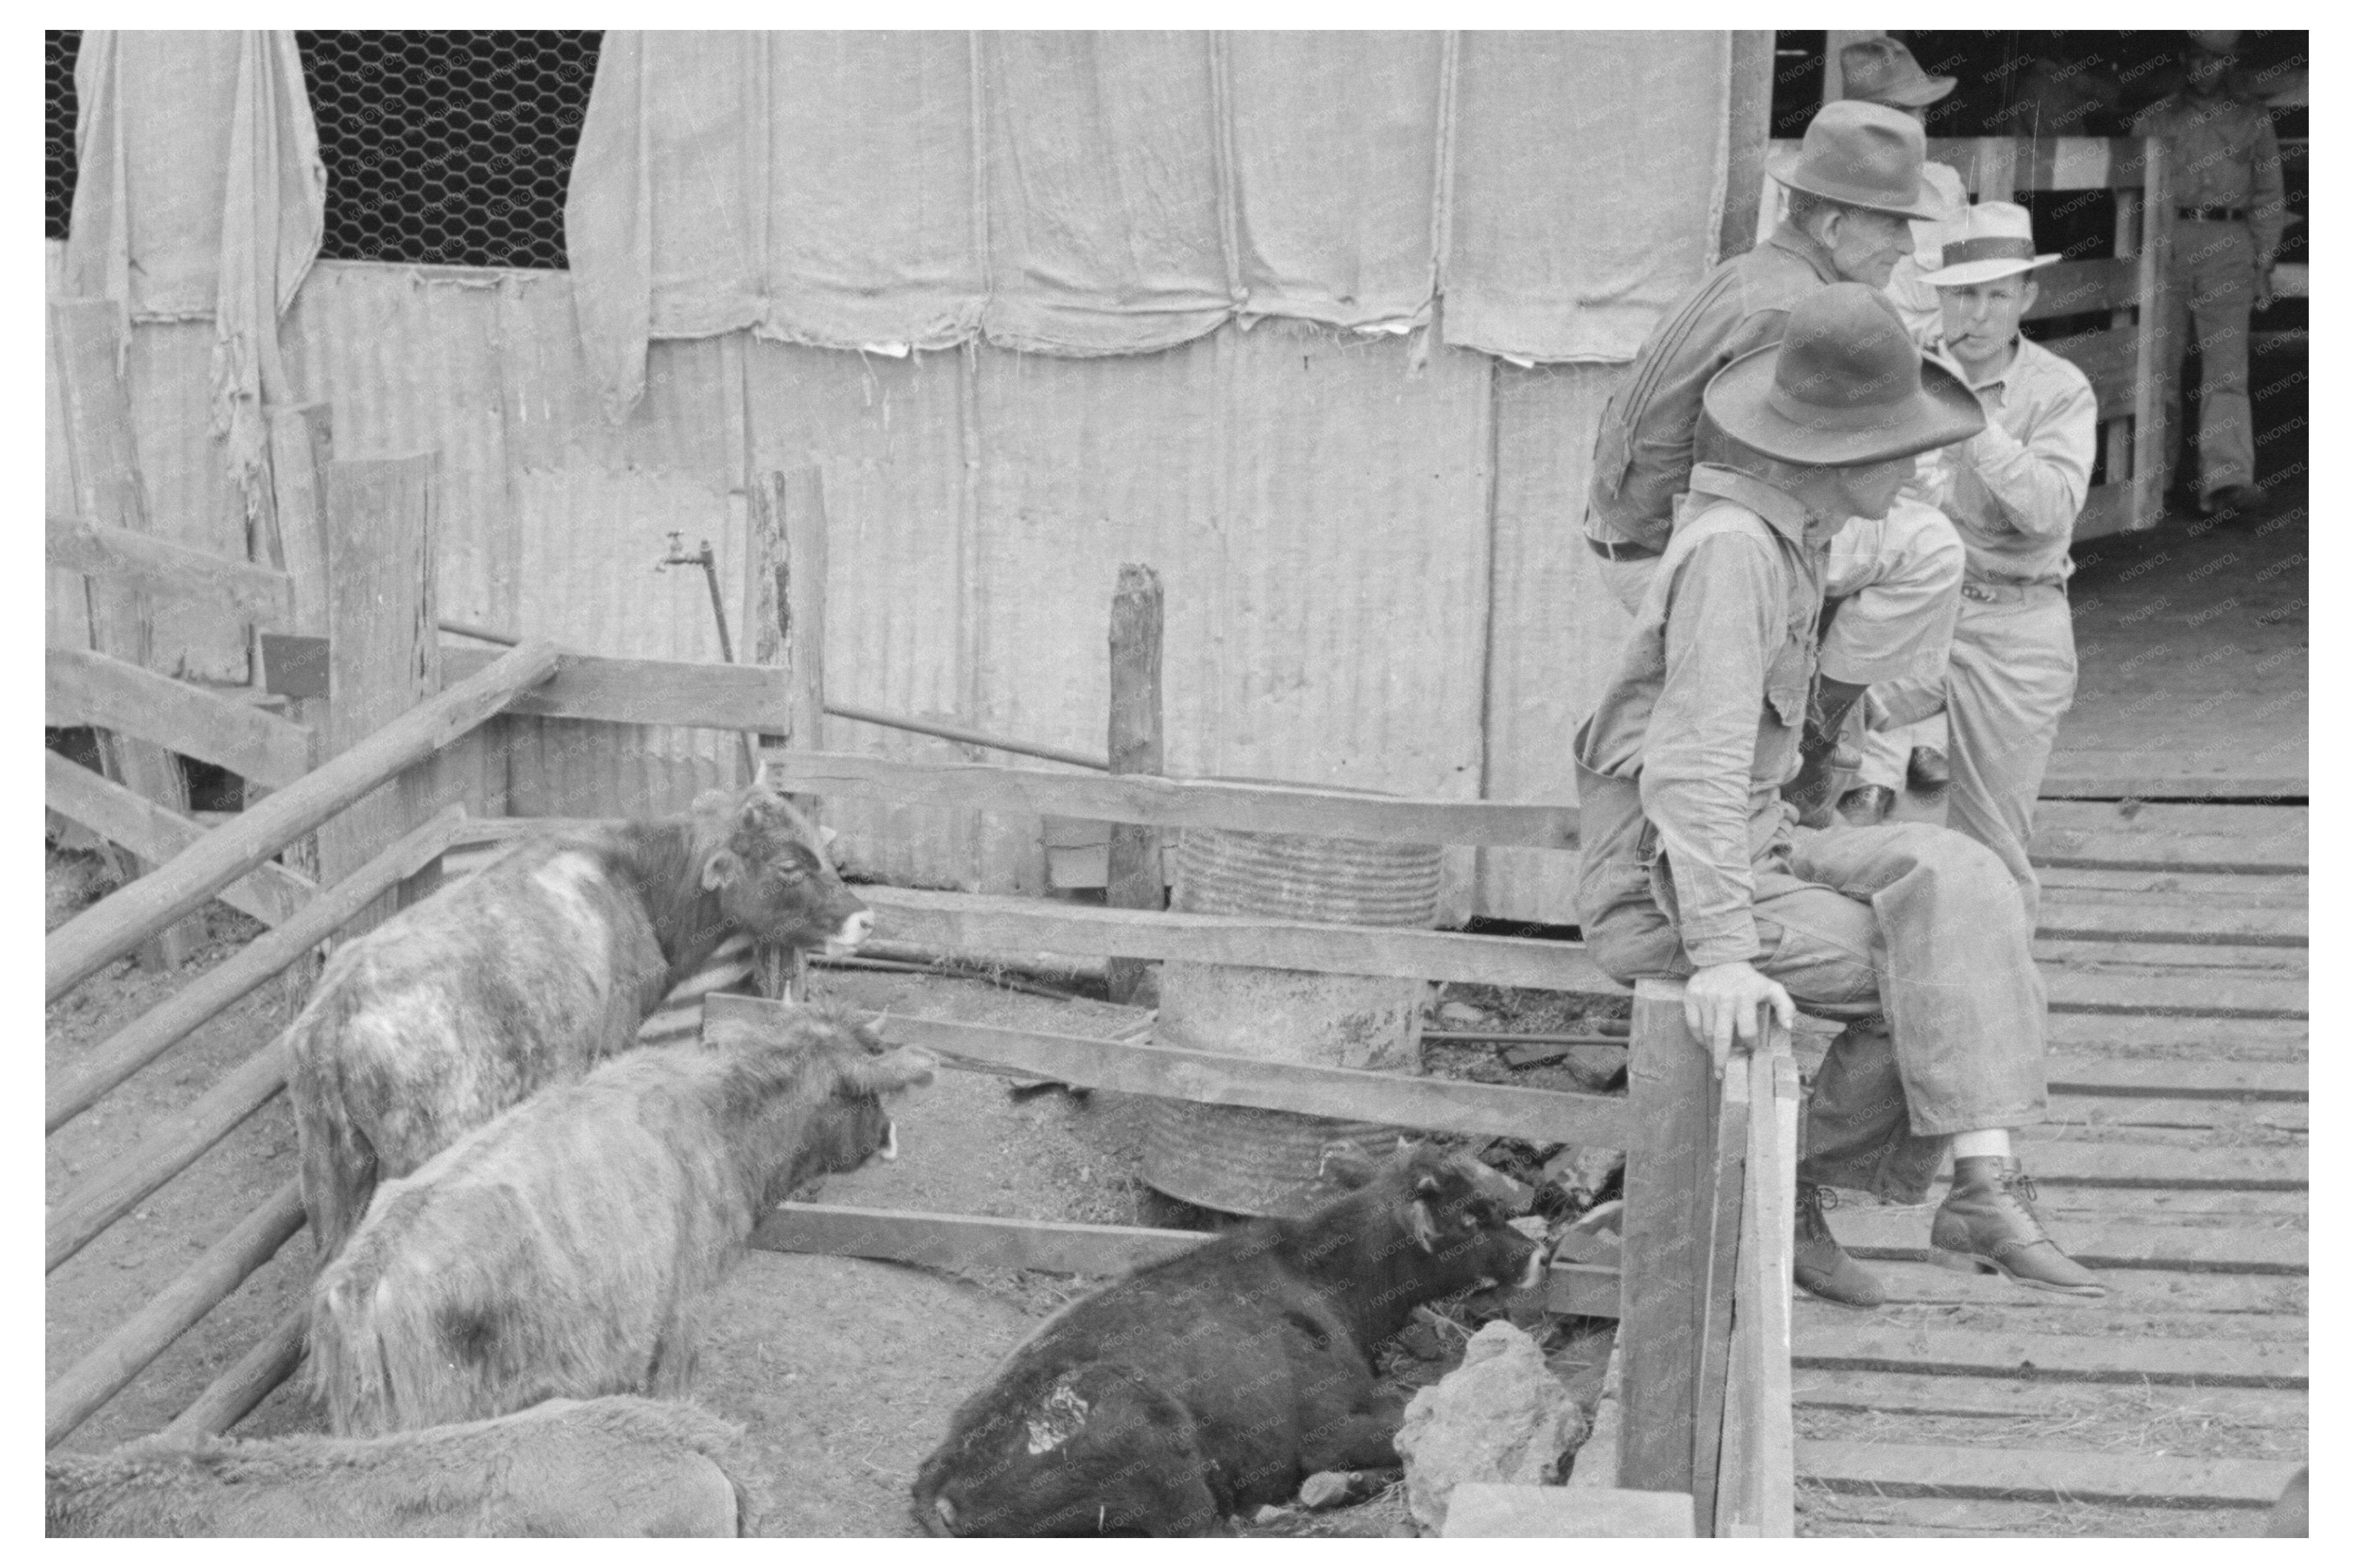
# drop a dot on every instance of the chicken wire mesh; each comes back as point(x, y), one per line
point(64, 49)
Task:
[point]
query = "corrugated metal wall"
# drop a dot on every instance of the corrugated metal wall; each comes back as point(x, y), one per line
point(1370, 548)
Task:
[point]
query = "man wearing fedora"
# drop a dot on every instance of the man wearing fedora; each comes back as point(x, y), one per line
point(1689, 865)
point(1883, 71)
point(2229, 211)
point(2012, 493)
point(1854, 189)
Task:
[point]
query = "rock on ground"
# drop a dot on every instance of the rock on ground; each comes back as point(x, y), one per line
point(1499, 1416)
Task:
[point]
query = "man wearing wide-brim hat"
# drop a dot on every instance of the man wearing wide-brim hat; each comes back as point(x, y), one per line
point(1854, 189)
point(2012, 493)
point(1690, 863)
point(1883, 71)
point(2230, 210)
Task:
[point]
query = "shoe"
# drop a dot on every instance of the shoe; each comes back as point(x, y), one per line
point(2240, 501)
point(1927, 770)
point(1988, 1223)
point(1867, 807)
point(1819, 1264)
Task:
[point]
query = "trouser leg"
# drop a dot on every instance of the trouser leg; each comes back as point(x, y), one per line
point(2173, 348)
point(2014, 678)
point(2223, 291)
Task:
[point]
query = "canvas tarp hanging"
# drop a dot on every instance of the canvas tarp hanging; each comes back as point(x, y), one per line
point(1121, 192)
point(200, 193)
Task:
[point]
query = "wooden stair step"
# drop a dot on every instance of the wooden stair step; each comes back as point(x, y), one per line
point(1826, 1514)
point(1902, 1470)
point(2140, 1110)
point(2140, 990)
point(2149, 1037)
point(2057, 1158)
point(1864, 1346)
point(2264, 1297)
point(2113, 1076)
point(2250, 839)
point(2041, 1399)
point(1904, 1235)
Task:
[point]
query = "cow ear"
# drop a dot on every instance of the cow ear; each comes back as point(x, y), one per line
point(724, 869)
point(825, 836)
point(1345, 1164)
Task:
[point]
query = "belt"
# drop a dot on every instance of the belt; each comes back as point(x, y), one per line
point(1986, 592)
point(2212, 214)
point(1621, 549)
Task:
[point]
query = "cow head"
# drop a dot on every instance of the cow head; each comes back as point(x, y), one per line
point(846, 1076)
point(768, 867)
point(1451, 1216)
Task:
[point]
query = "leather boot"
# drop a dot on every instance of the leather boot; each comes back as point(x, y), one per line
point(1811, 790)
point(1867, 807)
point(1989, 1222)
point(1819, 1264)
point(1926, 769)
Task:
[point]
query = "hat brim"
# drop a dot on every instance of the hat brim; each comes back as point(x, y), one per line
point(1784, 171)
point(1986, 271)
point(1916, 94)
point(1944, 412)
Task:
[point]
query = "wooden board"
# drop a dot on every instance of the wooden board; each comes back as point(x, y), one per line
point(2228, 1080)
point(646, 690)
point(2249, 839)
point(2148, 1110)
point(2270, 1039)
point(2222, 1296)
point(1915, 1394)
point(1875, 1232)
point(271, 893)
point(1831, 1512)
point(967, 1240)
point(1182, 803)
point(2122, 982)
point(1669, 1092)
point(2081, 287)
point(2094, 774)
point(2106, 358)
point(2147, 907)
point(979, 923)
point(2076, 1358)
point(1898, 1470)
point(2055, 1157)
point(90, 688)
point(1204, 1077)
point(161, 569)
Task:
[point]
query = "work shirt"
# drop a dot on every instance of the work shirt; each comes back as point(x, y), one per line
point(1646, 447)
point(1702, 716)
point(2013, 490)
point(2221, 152)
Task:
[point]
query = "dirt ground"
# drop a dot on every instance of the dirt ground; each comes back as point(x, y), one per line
point(843, 1371)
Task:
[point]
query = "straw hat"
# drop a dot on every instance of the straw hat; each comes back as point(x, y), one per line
point(1844, 388)
point(1861, 155)
point(1994, 239)
point(1882, 70)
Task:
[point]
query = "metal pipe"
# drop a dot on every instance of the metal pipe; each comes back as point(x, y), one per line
point(479, 633)
point(968, 736)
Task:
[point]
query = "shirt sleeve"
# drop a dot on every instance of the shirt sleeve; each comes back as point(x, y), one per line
point(2038, 484)
point(1723, 625)
point(2267, 198)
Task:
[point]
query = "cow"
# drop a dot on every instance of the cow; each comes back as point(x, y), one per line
point(562, 1250)
point(600, 1468)
point(1219, 1379)
point(529, 973)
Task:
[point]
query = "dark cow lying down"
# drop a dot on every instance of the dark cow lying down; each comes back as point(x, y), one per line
point(1224, 1377)
point(529, 973)
point(563, 1250)
point(609, 1467)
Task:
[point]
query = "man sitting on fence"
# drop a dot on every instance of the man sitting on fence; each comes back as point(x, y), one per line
point(1690, 866)
point(1854, 186)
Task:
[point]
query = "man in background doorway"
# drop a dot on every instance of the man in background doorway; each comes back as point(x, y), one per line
point(2228, 211)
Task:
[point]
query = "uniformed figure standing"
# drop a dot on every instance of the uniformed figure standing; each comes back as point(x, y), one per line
point(2012, 493)
point(2229, 216)
point(1689, 865)
point(1854, 189)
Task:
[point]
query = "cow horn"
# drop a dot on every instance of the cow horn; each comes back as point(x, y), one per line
point(905, 1068)
point(760, 774)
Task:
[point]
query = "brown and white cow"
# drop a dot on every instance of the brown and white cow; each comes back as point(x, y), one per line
point(604, 1467)
point(529, 973)
point(562, 1250)
point(1199, 1387)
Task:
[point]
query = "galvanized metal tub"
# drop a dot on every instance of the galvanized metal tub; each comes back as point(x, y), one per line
point(1251, 1161)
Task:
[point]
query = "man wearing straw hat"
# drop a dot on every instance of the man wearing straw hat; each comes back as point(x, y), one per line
point(1689, 865)
point(1854, 188)
point(2012, 493)
point(2223, 163)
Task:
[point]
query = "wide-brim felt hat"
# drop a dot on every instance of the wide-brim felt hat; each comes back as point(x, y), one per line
point(1844, 388)
point(1994, 239)
point(1861, 155)
point(1883, 70)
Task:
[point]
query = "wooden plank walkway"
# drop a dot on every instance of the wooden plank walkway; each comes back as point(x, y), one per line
point(2174, 1162)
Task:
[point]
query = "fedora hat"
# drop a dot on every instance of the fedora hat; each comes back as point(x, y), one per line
point(1994, 239)
point(1882, 70)
point(1844, 388)
point(1861, 155)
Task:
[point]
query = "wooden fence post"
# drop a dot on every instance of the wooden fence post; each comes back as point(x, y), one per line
point(384, 646)
point(784, 591)
point(1134, 879)
point(87, 345)
point(1669, 1191)
point(2158, 360)
point(295, 540)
